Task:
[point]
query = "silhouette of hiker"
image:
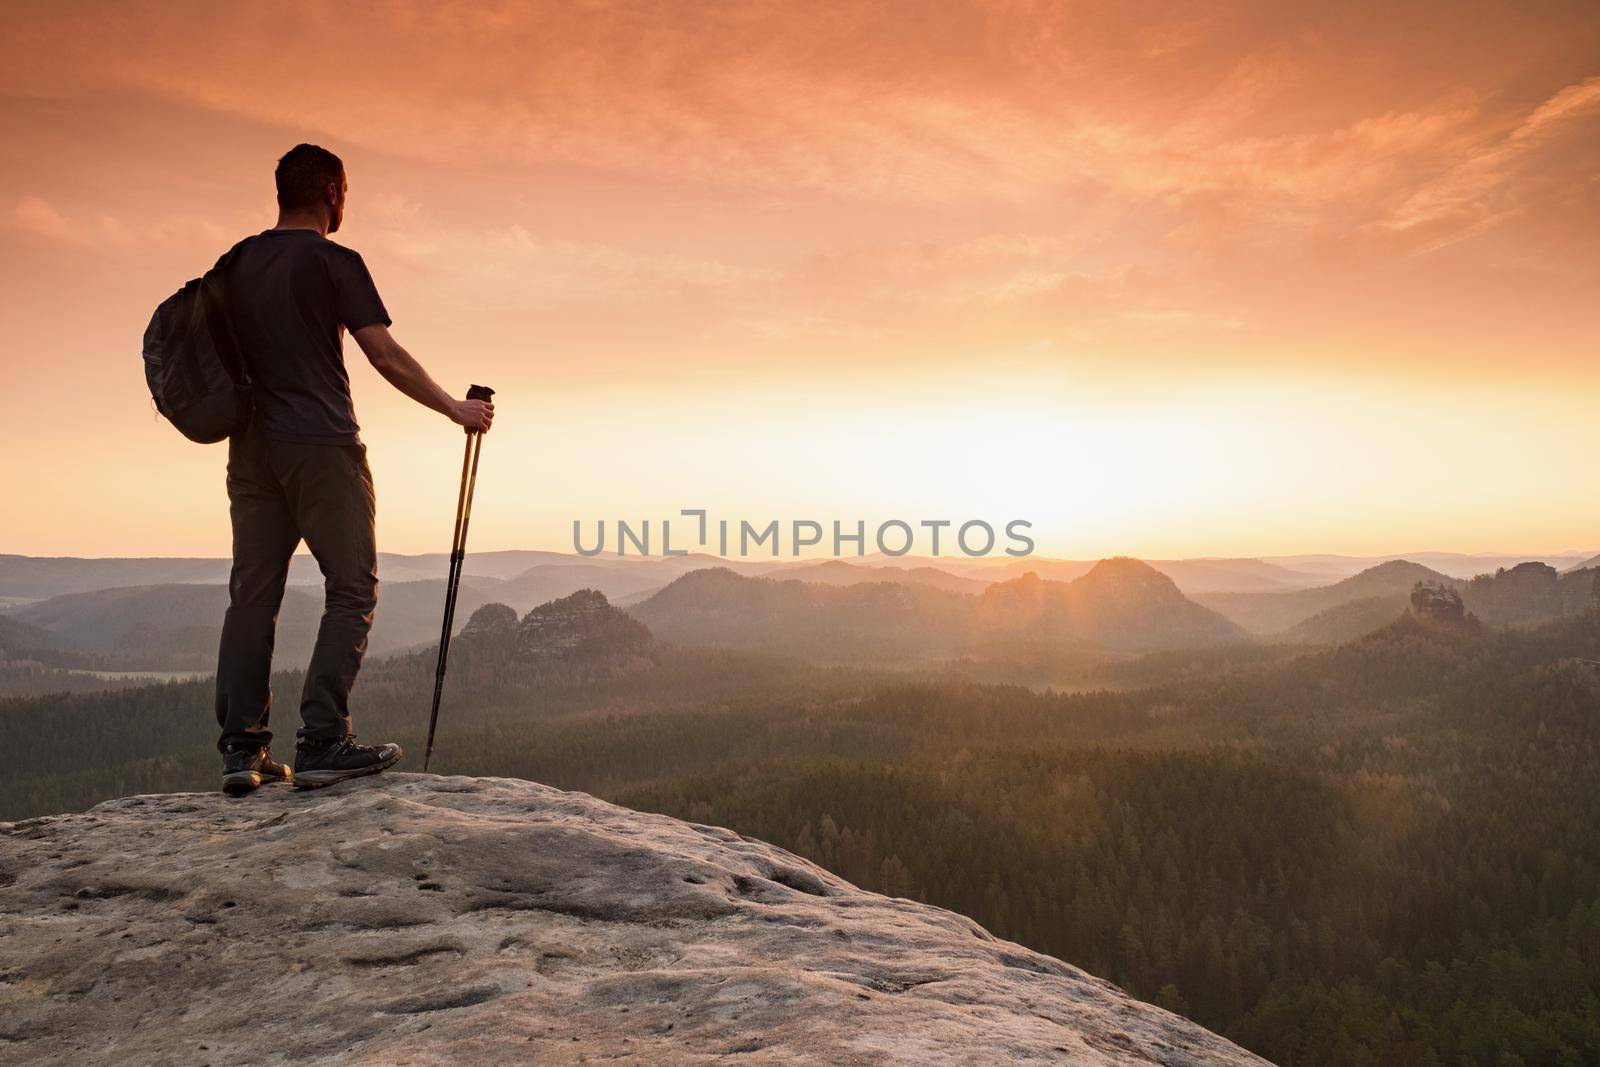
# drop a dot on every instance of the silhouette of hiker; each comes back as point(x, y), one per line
point(299, 470)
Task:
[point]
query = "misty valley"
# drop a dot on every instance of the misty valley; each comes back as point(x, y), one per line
point(1339, 811)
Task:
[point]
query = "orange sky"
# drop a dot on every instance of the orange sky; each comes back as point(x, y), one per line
point(1238, 279)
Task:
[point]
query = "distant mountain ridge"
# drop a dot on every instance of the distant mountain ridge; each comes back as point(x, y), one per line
point(43, 577)
point(1592, 563)
point(177, 626)
point(842, 572)
point(718, 607)
point(1191, 576)
point(832, 608)
point(1271, 613)
point(1119, 605)
point(1523, 595)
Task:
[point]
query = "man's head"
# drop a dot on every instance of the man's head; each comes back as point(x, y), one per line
point(311, 182)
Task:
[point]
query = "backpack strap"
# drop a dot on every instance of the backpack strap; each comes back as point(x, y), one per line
point(214, 290)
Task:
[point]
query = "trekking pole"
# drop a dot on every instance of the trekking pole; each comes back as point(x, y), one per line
point(458, 553)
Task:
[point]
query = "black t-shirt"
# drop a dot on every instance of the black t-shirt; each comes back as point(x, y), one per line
point(291, 295)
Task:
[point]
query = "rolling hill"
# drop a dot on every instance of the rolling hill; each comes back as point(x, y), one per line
point(1344, 622)
point(23, 643)
point(839, 572)
point(34, 578)
point(867, 620)
point(1526, 594)
point(1120, 605)
point(176, 627)
point(1191, 576)
point(1271, 613)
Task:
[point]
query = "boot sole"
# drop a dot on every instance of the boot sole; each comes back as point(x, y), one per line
point(240, 783)
point(321, 779)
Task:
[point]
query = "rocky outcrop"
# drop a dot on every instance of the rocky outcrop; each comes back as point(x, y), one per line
point(1526, 594)
point(580, 625)
point(490, 621)
point(580, 635)
point(1437, 602)
point(426, 920)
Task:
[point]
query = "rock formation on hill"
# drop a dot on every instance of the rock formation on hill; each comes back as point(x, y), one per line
point(581, 634)
point(580, 624)
point(1437, 602)
point(1528, 594)
point(426, 920)
point(1525, 594)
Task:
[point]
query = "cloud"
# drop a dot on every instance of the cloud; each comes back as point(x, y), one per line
point(855, 171)
point(1481, 187)
point(513, 265)
point(898, 102)
point(38, 217)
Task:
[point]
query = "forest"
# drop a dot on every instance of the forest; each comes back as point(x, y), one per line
point(1376, 853)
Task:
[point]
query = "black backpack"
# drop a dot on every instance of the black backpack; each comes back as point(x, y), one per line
point(192, 360)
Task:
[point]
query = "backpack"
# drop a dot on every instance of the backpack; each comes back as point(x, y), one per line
point(192, 360)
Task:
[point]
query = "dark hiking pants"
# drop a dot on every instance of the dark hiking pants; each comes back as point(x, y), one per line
point(278, 493)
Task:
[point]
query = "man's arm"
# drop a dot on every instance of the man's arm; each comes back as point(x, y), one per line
point(407, 375)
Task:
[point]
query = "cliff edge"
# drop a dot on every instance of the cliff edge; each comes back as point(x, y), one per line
point(413, 919)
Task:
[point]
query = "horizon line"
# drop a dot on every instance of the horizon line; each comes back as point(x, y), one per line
point(997, 560)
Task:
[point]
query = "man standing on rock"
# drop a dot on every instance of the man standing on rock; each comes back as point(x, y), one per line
point(299, 471)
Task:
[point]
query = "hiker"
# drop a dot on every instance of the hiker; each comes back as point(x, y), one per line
point(299, 470)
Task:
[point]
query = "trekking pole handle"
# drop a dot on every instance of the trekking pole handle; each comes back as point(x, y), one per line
point(479, 392)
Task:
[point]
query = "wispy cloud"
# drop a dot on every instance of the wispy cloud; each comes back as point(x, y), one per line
point(38, 217)
point(898, 101)
point(1483, 185)
point(891, 169)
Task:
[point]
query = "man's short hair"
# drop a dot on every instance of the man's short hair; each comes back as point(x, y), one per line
point(304, 173)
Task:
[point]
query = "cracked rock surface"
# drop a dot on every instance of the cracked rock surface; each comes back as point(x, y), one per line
point(410, 919)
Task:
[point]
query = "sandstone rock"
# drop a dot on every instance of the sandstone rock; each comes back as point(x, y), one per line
point(583, 625)
point(1437, 602)
point(491, 619)
point(422, 920)
point(1526, 594)
point(578, 636)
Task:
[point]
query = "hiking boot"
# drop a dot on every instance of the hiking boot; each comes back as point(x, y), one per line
point(245, 767)
point(323, 762)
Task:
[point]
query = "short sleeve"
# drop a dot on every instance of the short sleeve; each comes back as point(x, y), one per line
point(359, 303)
